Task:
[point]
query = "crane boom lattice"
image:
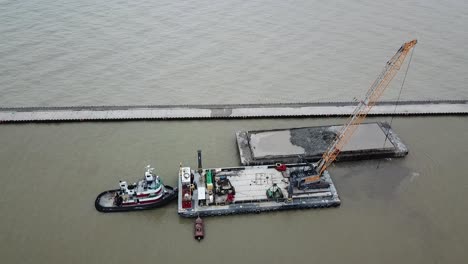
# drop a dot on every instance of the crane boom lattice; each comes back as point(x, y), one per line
point(363, 108)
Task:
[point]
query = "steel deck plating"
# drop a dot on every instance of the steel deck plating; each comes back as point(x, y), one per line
point(251, 184)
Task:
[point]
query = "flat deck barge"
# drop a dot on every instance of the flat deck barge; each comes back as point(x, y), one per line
point(293, 145)
point(226, 111)
point(241, 190)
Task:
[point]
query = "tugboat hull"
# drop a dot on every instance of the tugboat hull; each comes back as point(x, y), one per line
point(105, 202)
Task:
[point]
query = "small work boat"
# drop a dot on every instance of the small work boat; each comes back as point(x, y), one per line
point(199, 229)
point(147, 193)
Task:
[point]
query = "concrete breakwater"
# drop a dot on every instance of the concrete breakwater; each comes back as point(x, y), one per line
point(226, 111)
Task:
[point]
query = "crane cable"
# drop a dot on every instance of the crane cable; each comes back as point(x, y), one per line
point(396, 104)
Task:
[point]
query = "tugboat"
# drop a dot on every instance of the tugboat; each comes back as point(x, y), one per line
point(147, 193)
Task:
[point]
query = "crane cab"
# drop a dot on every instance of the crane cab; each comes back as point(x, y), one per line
point(307, 177)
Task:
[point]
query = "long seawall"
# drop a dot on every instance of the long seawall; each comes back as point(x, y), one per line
point(226, 111)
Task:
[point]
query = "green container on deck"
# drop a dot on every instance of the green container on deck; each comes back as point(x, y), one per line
point(209, 177)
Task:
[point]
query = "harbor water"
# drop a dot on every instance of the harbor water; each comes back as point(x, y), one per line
point(207, 51)
point(83, 52)
point(409, 210)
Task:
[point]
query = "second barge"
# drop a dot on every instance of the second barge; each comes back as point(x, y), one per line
point(370, 141)
point(251, 189)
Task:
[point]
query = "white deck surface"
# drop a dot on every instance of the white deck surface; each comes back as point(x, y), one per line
point(252, 183)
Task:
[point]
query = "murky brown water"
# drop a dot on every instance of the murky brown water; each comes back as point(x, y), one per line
point(410, 210)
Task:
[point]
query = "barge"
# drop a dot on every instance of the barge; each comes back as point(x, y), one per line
point(251, 189)
point(373, 140)
point(147, 193)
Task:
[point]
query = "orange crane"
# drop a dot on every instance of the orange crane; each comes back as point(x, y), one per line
point(360, 113)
